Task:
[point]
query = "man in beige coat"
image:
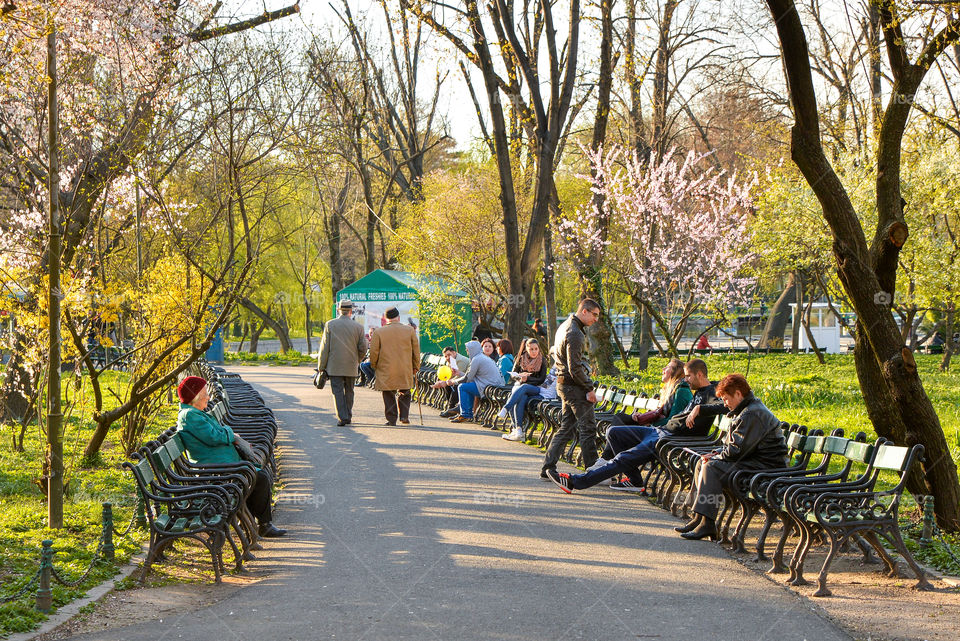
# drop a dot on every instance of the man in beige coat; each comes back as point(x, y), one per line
point(395, 356)
point(341, 350)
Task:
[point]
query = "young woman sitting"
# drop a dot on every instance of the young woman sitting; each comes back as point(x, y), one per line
point(529, 373)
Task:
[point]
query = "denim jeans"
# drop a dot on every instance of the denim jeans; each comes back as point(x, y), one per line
point(517, 403)
point(640, 443)
point(367, 370)
point(467, 392)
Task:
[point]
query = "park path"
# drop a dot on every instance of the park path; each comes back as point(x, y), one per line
point(443, 532)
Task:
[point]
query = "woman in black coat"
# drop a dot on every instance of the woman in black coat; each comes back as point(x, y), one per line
point(754, 442)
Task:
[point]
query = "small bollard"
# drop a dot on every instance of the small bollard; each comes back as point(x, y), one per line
point(44, 595)
point(141, 513)
point(108, 549)
point(926, 538)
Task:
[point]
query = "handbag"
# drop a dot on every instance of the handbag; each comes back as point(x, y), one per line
point(244, 449)
point(320, 379)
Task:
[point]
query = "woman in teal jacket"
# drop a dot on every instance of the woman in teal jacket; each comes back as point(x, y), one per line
point(209, 442)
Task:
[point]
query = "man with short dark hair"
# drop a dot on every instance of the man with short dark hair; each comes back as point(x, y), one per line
point(575, 389)
point(342, 347)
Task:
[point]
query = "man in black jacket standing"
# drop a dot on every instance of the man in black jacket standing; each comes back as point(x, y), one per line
point(575, 389)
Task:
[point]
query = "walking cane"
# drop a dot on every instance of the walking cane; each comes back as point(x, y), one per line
point(420, 407)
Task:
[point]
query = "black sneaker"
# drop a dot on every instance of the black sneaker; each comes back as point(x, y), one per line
point(561, 480)
point(449, 413)
point(543, 475)
point(626, 486)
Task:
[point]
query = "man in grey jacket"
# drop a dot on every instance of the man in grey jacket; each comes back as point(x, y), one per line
point(341, 350)
point(482, 373)
point(575, 389)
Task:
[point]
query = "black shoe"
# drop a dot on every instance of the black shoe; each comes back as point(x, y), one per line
point(543, 474)
point(561, 480)
point(342, 423)
point(707, 528)
point(390, 424)
point(449, 413)
point(694, 522)
point(269, 531)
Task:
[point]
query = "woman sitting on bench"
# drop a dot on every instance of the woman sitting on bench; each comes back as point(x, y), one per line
point(208, 442)
point(754, 442)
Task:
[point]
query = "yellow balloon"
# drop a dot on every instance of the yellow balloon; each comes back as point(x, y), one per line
point(444, 372)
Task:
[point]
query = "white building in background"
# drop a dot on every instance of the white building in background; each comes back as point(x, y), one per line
point(824, 326)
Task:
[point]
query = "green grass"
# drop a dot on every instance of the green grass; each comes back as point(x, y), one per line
point(290, 357)
point(798, 389)
point(23, 507)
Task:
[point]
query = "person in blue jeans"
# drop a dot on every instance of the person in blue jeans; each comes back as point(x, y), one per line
point(482, 373)
point(529, 373)
point(629, 447)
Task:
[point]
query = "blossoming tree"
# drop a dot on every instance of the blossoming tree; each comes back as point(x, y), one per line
point(678, 235)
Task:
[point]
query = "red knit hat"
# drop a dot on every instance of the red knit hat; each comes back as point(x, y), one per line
point(189, 388)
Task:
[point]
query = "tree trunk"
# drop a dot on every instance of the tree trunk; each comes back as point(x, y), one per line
point(255, 337)
point(243, 336)
point(307, 309)
point(806, 328)
point(600, 334)
point(18, 385)
point(277, 326)
point(892, 390)
point(661, 80)
point(642, 338)
point(549, 286)
point(948, 344)
point(797, 311)
point(776, 325)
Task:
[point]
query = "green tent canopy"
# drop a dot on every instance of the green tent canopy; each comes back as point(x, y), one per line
point(440, 312)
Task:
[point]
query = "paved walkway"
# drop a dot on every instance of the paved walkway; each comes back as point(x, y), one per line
point(443, 532)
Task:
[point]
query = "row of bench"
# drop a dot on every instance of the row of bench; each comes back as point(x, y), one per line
point(206, 503)
point(828, 493)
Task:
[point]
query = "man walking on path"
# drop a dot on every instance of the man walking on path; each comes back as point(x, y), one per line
point(341, 350)
point(395, 357)
point(575, 389)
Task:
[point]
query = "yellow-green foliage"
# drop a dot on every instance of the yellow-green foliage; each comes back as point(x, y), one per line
point(23, 506)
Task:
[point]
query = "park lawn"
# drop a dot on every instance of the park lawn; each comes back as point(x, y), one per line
point(291, 357)
point(23, 507)
point(798, 389)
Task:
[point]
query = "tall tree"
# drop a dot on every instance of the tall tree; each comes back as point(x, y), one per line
point(547, 113)
point(896, 401)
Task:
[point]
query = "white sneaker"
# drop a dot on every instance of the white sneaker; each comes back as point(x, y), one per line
point(515, 435)
point(503, 413)
point(600, 463)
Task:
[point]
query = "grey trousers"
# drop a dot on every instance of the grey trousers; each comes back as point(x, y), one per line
point(577, 417)
point(708, 486)
point(342, 388)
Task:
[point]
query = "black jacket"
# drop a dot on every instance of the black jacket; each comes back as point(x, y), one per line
point(755, 436)
point(536, 378)
point(572, 366)
point(710, 408)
